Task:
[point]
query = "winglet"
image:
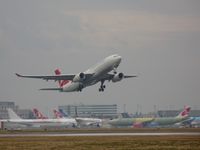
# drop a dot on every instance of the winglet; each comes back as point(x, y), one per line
point(18, 75)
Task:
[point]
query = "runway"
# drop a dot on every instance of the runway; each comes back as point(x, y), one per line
point(97, 134)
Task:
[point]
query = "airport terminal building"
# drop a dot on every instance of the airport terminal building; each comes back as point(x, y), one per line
point(23, 113)
point(174, 113)
point(98, 111)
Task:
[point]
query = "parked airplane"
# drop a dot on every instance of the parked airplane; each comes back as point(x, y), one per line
point(89, 122)
point(167, 121)
point(76, 82)
point(130, 122)
point(190, 122)
point(14, 118)
point(150, 122)
point(195, 122)
point(80, 120)
point(38, 114)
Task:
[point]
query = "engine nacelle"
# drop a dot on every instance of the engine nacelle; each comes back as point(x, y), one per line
point(79, 77)
point(118, 77)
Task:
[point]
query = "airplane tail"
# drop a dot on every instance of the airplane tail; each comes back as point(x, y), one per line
point(61, 82)
point(38, 114)
point(185, 112)
point(12, 114)
point(64, 113)
point(57, 114)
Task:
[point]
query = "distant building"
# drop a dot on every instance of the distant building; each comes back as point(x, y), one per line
point(195, 113)
point(168, 113)
point(173, 113)
point(24, 113)
point(99, 111)
point(3, 109)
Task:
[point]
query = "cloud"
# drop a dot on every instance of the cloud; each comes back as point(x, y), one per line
point(123, 27)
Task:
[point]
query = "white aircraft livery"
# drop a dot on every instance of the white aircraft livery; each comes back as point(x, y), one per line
point(14, 118)
point(101, 72)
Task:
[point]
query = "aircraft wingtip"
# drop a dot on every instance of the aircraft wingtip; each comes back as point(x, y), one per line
point(17, 74)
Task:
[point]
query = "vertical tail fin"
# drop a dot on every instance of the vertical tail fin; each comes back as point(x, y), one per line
point(61, 82)
point(57, 114)
point(185, 112)
point(63, 113)
point(12, 114)
point(38, 114)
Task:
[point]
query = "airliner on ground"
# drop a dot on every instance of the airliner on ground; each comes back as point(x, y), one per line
point(82, 122)
point(101, 72)
point(14, 118)
point(150, 122)
point(168, 121)
point(190, 122)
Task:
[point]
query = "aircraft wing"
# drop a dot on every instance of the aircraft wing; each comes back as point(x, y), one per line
point(56, 77)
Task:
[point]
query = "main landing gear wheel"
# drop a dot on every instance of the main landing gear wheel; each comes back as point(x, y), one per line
point(102, 87)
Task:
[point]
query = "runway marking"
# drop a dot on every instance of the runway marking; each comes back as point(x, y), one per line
point(97, 134)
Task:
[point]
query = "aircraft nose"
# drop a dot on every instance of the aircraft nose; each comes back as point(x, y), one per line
point(119, 58)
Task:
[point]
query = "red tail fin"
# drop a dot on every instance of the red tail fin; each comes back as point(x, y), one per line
point(185, 112)
point(57, 72)
point(61, 82)
point(57, 114)
point(38, 114)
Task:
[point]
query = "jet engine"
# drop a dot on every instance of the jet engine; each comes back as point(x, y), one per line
point(79, 77)
point(118, 77)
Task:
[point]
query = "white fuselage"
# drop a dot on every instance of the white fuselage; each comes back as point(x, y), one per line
point(44, 122)
point(89, 121)
point(101, 69)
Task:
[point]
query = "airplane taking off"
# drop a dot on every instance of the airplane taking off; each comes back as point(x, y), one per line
point(76, 82)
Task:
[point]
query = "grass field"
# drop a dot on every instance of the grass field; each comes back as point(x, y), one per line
point(102, 143)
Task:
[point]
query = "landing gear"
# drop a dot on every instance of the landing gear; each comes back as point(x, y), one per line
point(102, 87)
point(101, 90)
point(98, 125)
point(80, 87)
point(115, 70)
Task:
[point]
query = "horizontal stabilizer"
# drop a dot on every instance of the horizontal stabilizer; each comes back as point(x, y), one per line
point(129, 76)
point(51, 89)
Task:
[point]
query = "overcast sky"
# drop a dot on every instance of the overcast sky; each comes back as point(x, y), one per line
point(158, 40)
